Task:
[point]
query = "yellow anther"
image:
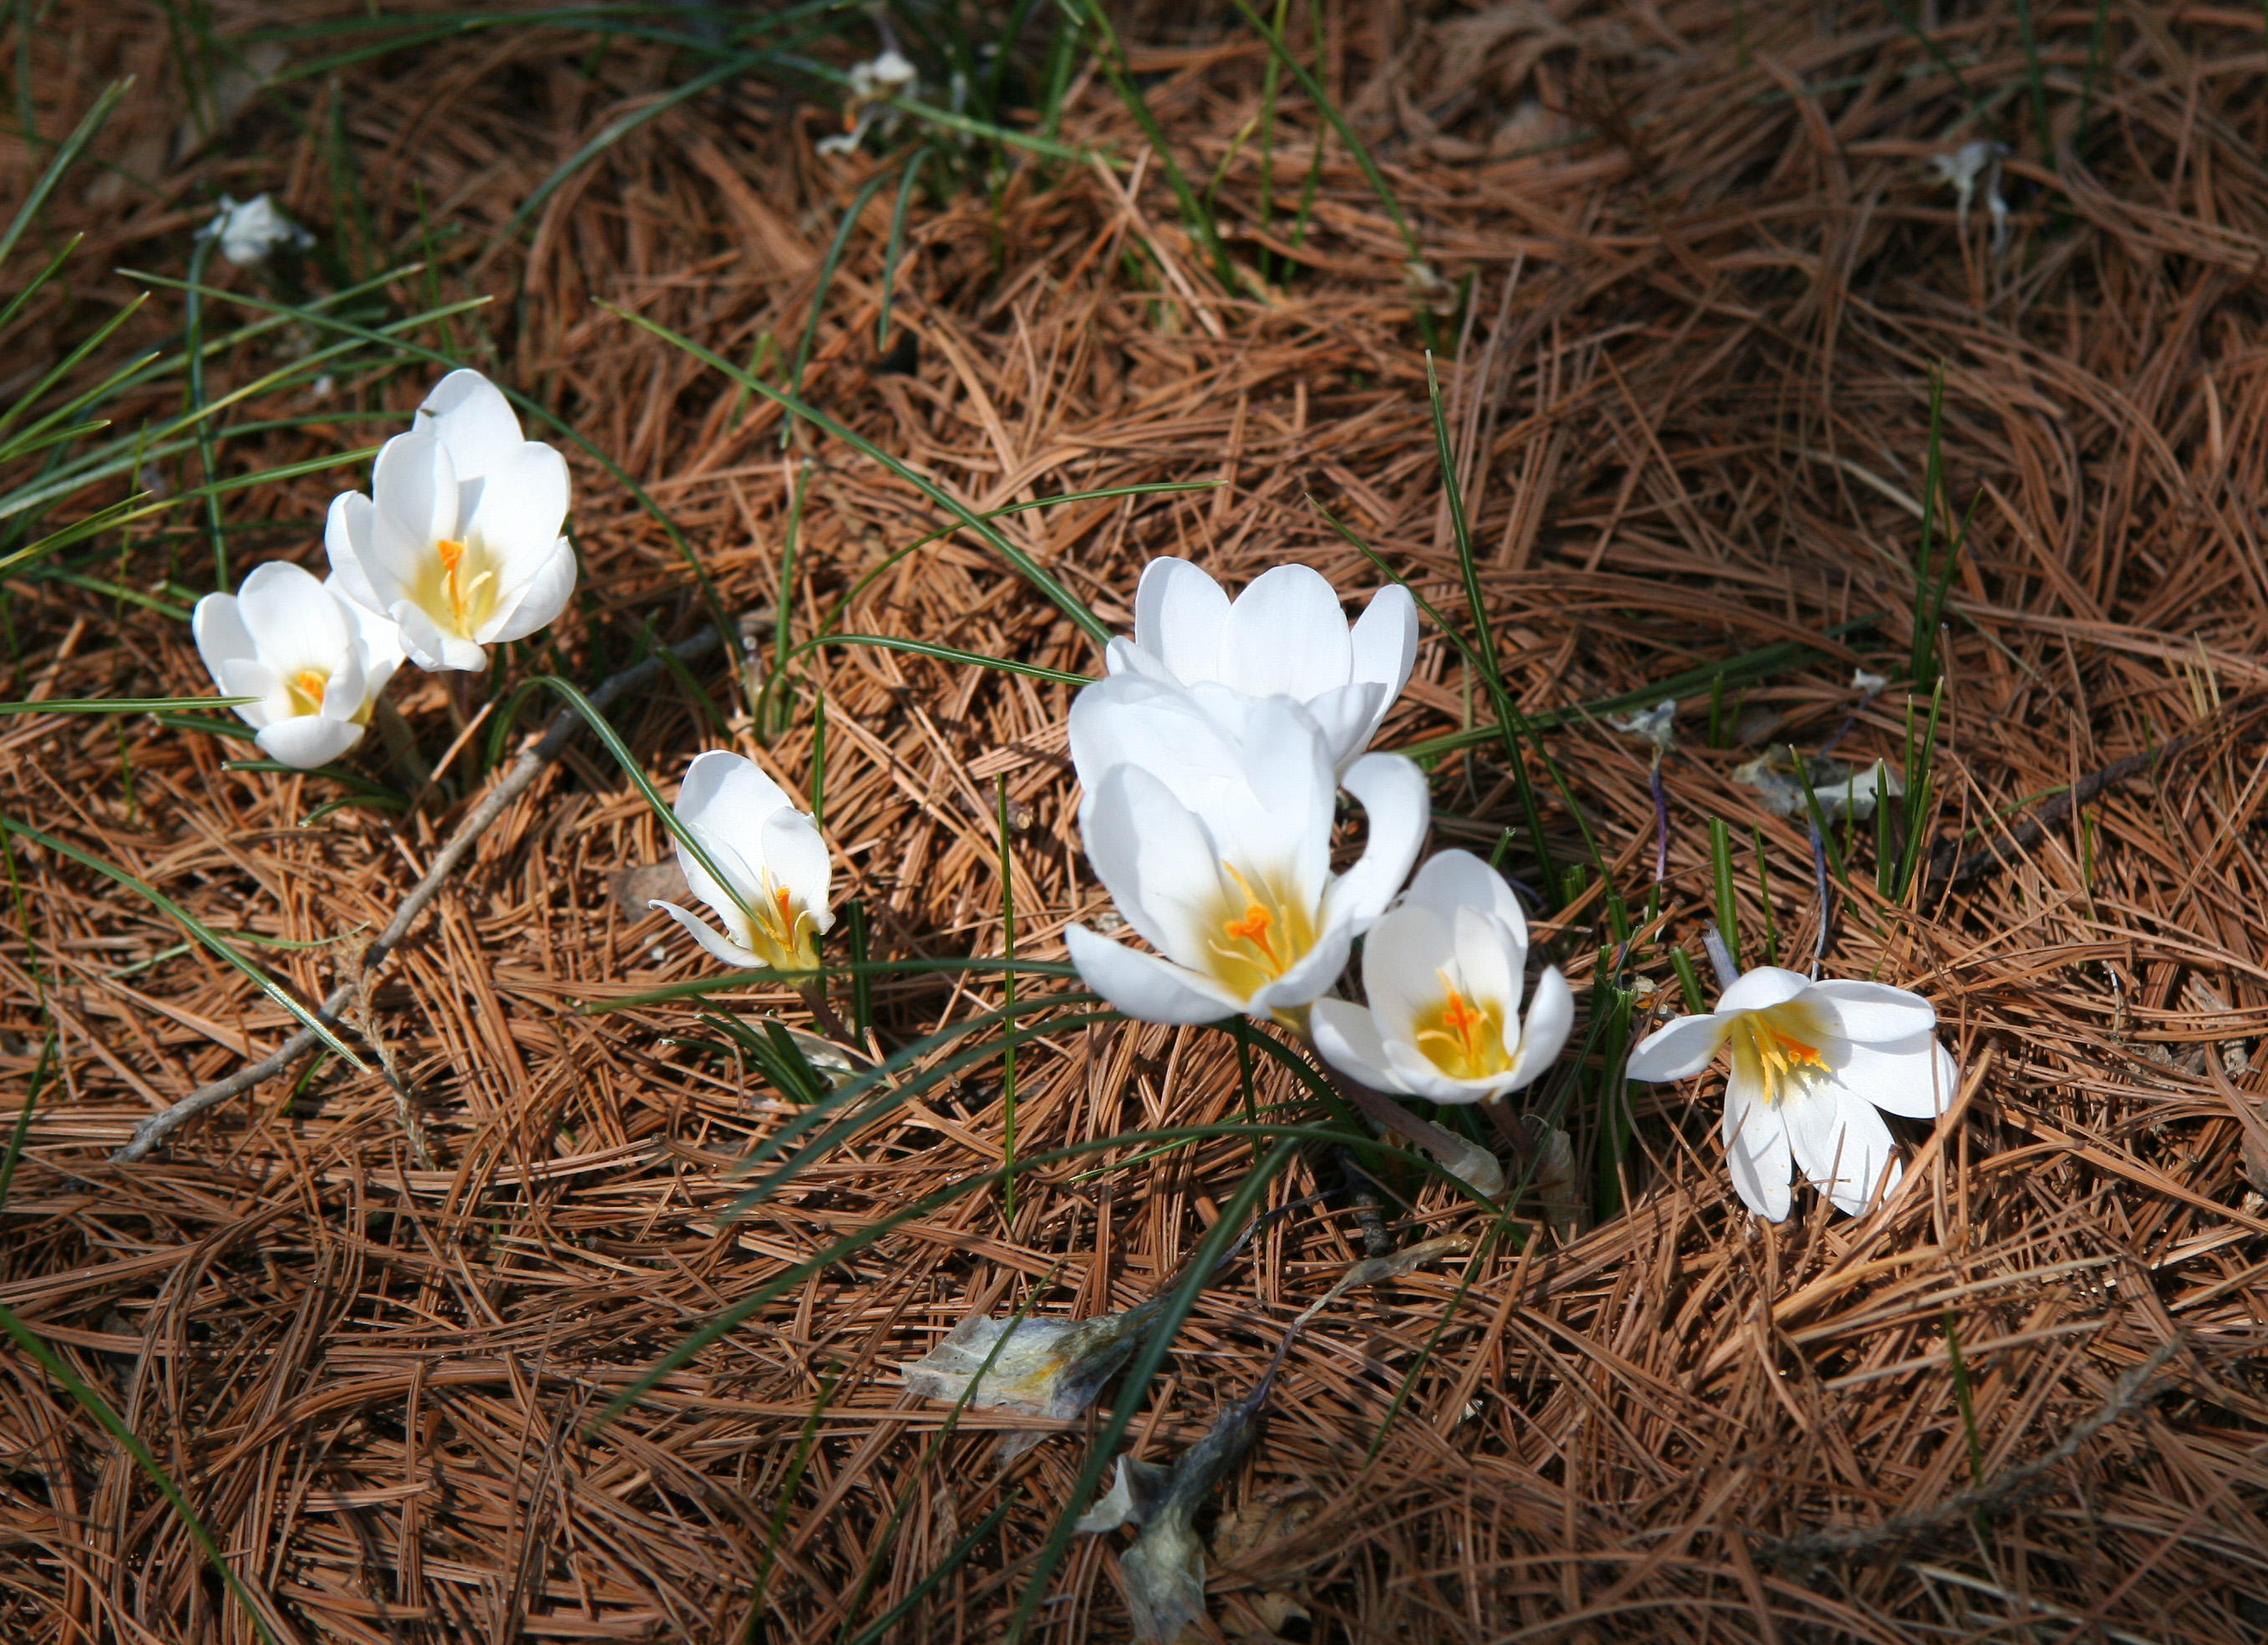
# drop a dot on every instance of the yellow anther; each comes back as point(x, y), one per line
point(1463, 1038)
point(1781, 1058)
point(1263, 935)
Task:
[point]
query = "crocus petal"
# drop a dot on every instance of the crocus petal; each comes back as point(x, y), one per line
point(377, 639)
point(1281, 822)
point(346, 689)
point(219, 629)
point(307, 740)
point(1544, 1033)
point(1914, 1077)
point(1680, 1048)
point(414, 486)
point(1123, 656)
point(1136, 719)
point(248, 677)
point(1757, 1153)
point(1839, 1142)
point(724, 803)
point(1310, 976)
point(1488, 960)
point(537, 600)
point(1399, 957)
point(1348, 1036)
point(1415, 1074)
point(1286, 636)
point(349, 532)
point(1456, 878)
point(469, 415)
point(721, 946)
point(1179, 613)
point(1384, 644)
point(795, 853)
point(523, 500)
point(1347, 715)
point(1397, 808)
point(293, 618)
point(1156, 859)
point(1765, 985)
point(1874, 1012)
point(1144, 986)
point(428, 647)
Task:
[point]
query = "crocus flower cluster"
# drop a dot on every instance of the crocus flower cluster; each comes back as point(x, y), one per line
point(459, 546)
point(1211, 756)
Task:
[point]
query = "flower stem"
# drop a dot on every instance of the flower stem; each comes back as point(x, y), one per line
point(814, 996)
point(1473, 1166)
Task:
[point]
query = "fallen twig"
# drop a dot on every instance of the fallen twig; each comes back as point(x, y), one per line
point(2130, 1391)
point(524, 772)
point(1949, 866)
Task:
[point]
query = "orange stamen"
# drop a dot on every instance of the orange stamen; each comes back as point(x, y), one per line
point(310, 685)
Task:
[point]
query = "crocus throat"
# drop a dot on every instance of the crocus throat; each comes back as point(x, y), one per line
point(1778, 1060)
point(1262, 933)
point(1463, 1038)
point(459, 593)
point(305, 690)
point(782, 933)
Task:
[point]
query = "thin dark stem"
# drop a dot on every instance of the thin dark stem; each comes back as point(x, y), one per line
point(550, 747)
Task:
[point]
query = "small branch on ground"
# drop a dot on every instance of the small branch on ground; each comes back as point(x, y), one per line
point(1949, 866)
point(2131, 1389)
point(524, 772)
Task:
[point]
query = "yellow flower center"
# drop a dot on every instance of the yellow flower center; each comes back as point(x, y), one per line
point(1774, 1053)
point(1463, 1038)
point(1262, 934)
point(457, 588)
point(305, 690)
point(781, 932)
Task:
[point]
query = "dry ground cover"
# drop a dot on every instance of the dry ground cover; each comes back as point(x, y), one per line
point(1695, 274)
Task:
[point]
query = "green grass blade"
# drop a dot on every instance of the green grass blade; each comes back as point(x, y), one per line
point(1728, 907)
point(948, 653)
point(73, 145)
point(1008, 1005)
point(1193, 214)
point(1313, 88)
point(1134, 1385)
point(895, 247)
point(827, 267)
point(1068, 603)
point(120, 705)
point(204, 933)
point(95, 1405)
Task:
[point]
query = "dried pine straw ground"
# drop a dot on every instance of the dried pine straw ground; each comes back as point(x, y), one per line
point(1710, 275)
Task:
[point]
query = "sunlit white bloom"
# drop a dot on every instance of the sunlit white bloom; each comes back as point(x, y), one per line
point(315, 664)
point(1656, 726)
point(1285, 636)
point(459, 541)
point(773, 902)
point(1810, 1063)
point(250, 231)
point(1443, 971)
point(872, 83)
point(1981, 156)
point(1208, 817)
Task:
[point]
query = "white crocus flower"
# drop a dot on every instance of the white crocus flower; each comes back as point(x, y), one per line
point(459, 541)
point(1811, 1063)
point(249, 231)
point(1285, 636)
point(773, 902)
point(1443, 971)
point(316, 665)
point(1208, 817)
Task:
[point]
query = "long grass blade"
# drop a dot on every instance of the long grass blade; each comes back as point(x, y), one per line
point(205, 934)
